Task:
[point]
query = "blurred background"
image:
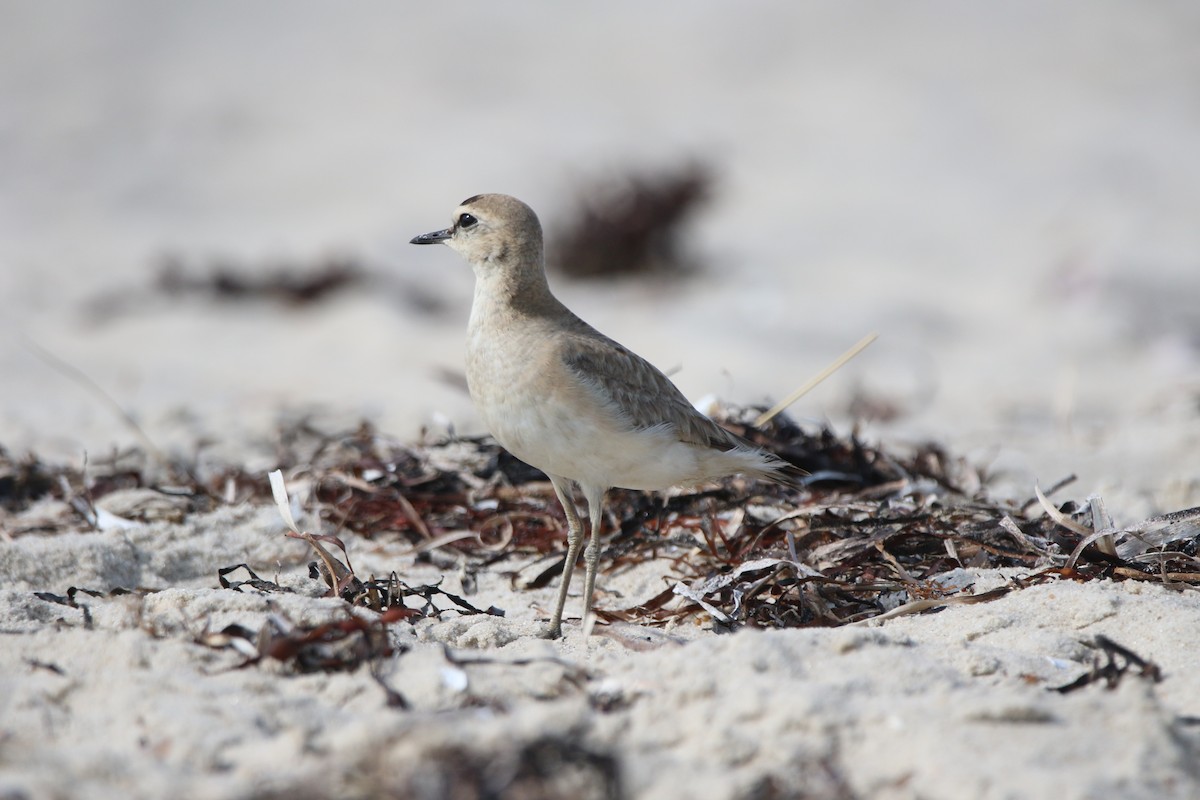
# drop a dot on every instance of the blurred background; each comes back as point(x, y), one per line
point(205, 211)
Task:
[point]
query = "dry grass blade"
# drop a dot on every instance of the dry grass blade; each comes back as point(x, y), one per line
point(1059, 517)
point(812, 382)
point(917, 606)
point(82, 379)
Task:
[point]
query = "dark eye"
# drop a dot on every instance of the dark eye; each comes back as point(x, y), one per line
point(466, 221)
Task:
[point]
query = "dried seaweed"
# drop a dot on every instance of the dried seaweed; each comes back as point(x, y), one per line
point(69, 600)
point(1118, 661)
point(49, 666)
point(294, 284)
point(255, 582)
point(23, 481)
point(633, 225)
point(290, 282)
point(384, 596)
point(871, 536)
point(338, 645)
point(871, 533)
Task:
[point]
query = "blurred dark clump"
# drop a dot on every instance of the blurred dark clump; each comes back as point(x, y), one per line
point(23, 481)
point(633, 224)
point(290, 283)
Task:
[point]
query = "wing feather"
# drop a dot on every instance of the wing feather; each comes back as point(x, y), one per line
point(638, 391)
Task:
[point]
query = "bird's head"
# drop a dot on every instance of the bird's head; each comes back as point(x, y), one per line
point(492, 229)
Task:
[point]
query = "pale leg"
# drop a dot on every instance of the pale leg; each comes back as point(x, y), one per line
point(595, 501)
point(562, 487)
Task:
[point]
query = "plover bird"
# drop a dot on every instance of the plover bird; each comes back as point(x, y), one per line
point(564, 398)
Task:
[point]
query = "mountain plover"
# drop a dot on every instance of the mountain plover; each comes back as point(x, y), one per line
point(568, 400)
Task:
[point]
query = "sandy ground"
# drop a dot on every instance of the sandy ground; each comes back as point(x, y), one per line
point(1007, 193)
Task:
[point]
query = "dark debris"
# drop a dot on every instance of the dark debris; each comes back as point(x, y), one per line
point(289, 283)
point(23, 481)
point(254, 582)
point(550, 766)
point(633, 225)
point(336, 646)
point(70, 599)
point(1117, 662)
point(872, 532)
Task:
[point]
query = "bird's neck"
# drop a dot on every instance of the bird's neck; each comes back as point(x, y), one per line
point(502, 293)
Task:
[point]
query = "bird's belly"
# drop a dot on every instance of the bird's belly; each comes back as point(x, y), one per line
point(595, 450)
point(556, 442)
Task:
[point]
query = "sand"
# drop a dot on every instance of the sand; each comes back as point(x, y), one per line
point(1007, 194)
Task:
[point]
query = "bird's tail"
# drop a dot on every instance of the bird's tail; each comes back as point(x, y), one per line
point(784, 473)
point(770, 467)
